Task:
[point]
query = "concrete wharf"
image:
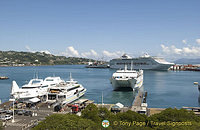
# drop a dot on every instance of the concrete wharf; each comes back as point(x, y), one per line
point(137, 102)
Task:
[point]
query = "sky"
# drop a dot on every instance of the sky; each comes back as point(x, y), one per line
point(102, 28)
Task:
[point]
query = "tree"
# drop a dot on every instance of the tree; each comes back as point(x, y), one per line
point(1, 125)
point(91, 112)
point(175, 119)
point(131, 116)
point(67, 121)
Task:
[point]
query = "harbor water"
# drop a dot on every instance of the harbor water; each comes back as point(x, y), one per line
point(165, 88)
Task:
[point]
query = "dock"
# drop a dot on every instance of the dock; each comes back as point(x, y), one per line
point(39, 113)
point(137, 102)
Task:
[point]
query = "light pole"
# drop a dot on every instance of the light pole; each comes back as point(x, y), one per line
point(13, 100)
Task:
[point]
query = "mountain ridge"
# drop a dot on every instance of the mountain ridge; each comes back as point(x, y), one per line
point(187, 61)
point(20, 58)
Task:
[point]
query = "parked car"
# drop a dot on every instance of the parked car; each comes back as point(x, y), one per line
point(16, 111)
point(9, 112)
point(6, 117)
point(21, 112)
point(28, 113)
point(2, 111)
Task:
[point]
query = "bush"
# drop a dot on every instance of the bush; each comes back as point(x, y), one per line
point(175, 119)
point(92, 118)
point(91, 112)
point(67, 121)
point(1, 125)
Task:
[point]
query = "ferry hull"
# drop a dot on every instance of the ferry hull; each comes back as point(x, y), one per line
point(68, 99)
point(130, 84)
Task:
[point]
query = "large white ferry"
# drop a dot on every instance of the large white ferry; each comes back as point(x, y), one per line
point(127, 79)
point(66, 93)
point(36, 88)
point(143, 62)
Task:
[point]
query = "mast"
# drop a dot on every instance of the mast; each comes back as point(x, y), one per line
point(70, 76)
point(131, 65)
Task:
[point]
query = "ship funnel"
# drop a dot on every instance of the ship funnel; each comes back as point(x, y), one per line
point(14, 88)
point(131, 65)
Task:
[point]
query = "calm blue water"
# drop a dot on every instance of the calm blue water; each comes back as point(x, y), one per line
point(165, 88)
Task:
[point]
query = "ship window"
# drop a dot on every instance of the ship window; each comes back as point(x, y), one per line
point(49, 79)
point(51, 97)
point(35, 82)
point(73, 88)
point(45, 86)
point(82, 90)
point(60, 97)
point(28, 87)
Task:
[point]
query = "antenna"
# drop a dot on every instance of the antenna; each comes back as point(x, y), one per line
point(102, 98)
point(70, 75)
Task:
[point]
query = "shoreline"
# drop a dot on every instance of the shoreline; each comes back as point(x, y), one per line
point(38, 65)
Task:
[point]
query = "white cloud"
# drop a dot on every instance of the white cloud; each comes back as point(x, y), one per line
point(165, 49)
point(45, 51)
point(175, 50)
point(71, 52)
point(90, 54)
point(112, 54)
point(198, 41)
point(185, 51)
point(170, 50)
point(94, 53)
point(29, 49)
point(184, 41)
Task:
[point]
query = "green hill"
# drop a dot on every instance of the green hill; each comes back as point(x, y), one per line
point(13, 58)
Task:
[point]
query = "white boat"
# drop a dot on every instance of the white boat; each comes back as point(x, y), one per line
point(35, 88)
point(97, 65)
point(127, 79)
point(66, 93)
point(143, 62)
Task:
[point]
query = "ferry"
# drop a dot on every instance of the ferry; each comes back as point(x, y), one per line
point(97, 65)
point(66, 93)
point(127, 79)
point(36, 88)
point(143, 62)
